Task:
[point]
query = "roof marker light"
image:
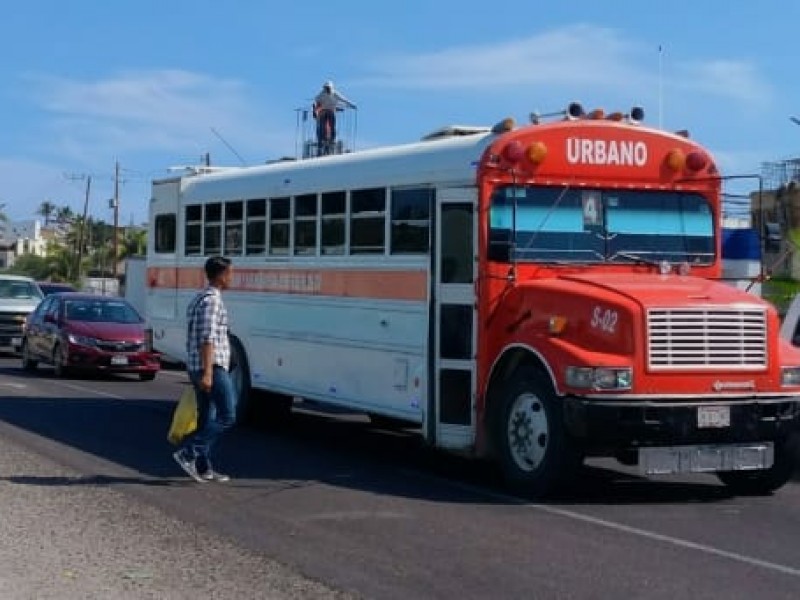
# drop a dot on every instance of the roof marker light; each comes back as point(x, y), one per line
point(597, 113)
point(615, 116)
point(696, 161)
point(513, 151)
point(537, 152)
point(504, 126)
point(676, 159)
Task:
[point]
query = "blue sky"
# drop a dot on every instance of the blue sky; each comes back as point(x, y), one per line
point(148, 83)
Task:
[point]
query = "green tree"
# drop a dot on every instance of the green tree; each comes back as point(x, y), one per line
point(64, 215)
point(134, 243)
point(31, 265)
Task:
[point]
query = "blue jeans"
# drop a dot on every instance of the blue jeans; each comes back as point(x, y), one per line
point(216, 412)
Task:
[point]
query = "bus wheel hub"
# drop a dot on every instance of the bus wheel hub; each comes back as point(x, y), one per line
point(527, 432)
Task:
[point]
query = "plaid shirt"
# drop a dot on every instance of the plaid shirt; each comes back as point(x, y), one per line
point(208, 322)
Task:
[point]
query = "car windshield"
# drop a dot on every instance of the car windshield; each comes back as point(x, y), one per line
point(101, 311)
point(19, 290)
point(557, 224)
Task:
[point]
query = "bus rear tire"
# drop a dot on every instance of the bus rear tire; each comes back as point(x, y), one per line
point(390, 423)
point(240, 378)
point(271, 409)
point(765, 481)
point(529, 434)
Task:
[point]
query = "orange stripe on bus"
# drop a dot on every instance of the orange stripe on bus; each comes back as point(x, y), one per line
point(348, 283)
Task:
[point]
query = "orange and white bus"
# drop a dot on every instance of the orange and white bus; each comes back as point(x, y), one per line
point(534, 294)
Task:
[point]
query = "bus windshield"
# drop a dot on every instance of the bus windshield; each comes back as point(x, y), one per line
point(564, 225)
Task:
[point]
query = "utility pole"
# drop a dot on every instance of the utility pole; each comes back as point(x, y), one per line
point(82, 229)
point(116, 217)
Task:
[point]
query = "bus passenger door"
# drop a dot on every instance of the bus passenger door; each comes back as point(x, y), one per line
point(451, 422)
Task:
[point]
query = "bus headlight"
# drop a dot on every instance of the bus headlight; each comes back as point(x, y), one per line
point(790, 376)
point(600, 378)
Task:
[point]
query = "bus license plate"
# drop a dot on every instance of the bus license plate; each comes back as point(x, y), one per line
point(119, 360)
point(709, 417)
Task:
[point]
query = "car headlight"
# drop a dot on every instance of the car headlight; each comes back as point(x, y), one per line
point(81, 340)
point(600, 378)
point(790, 376)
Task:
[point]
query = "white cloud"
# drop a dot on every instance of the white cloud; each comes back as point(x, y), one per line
point(578, 54)
point(163, 110)
point(738, 80)
point(582, 57)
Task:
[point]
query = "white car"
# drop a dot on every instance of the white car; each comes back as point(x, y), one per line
point(19, 296)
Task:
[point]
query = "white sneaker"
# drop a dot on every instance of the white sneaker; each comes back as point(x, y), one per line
point(212, 475)
point(187, 465)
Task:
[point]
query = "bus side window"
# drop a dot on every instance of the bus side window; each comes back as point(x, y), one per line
point(212, 229)
point(165, 233)
point(305, 225)
point(411, 221)
point(234, 238)
point(333, 210)
point(193, 230)
point(256, 227)
point(368, 221)
point(279, 226)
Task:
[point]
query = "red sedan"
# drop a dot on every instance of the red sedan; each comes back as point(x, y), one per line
point(74, 331)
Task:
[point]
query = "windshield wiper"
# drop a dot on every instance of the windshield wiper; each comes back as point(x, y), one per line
point(636, 259)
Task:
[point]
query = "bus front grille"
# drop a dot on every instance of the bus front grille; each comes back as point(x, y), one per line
point(707, 338)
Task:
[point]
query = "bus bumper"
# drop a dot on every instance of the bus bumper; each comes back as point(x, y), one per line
point(611, 428)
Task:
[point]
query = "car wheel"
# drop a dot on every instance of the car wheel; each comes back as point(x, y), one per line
point(28, 363)
point(60, 362)
point(148, 376)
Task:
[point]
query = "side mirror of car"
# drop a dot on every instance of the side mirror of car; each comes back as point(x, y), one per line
point(50, 319)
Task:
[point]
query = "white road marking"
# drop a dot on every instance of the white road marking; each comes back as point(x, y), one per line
point(652, 535)
point(668, 539)
point(80, 388)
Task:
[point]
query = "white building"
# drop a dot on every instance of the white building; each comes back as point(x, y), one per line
point(18, 238)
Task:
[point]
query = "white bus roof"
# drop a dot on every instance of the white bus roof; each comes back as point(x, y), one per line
point(448, 159)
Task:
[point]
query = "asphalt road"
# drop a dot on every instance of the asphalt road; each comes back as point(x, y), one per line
point(375, 514)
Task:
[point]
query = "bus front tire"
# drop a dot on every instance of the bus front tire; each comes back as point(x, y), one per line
point(529, 434)
point(762, 482)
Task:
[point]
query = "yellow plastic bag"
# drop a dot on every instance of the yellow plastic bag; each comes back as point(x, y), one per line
point(184, 419)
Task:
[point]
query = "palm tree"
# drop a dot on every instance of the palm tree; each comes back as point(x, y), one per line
point(3, 215)
point(47, 209)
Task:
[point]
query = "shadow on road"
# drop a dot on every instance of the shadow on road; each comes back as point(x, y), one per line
point(309, 448)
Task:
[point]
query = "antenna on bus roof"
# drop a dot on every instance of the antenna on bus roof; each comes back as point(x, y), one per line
point(231, 148)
